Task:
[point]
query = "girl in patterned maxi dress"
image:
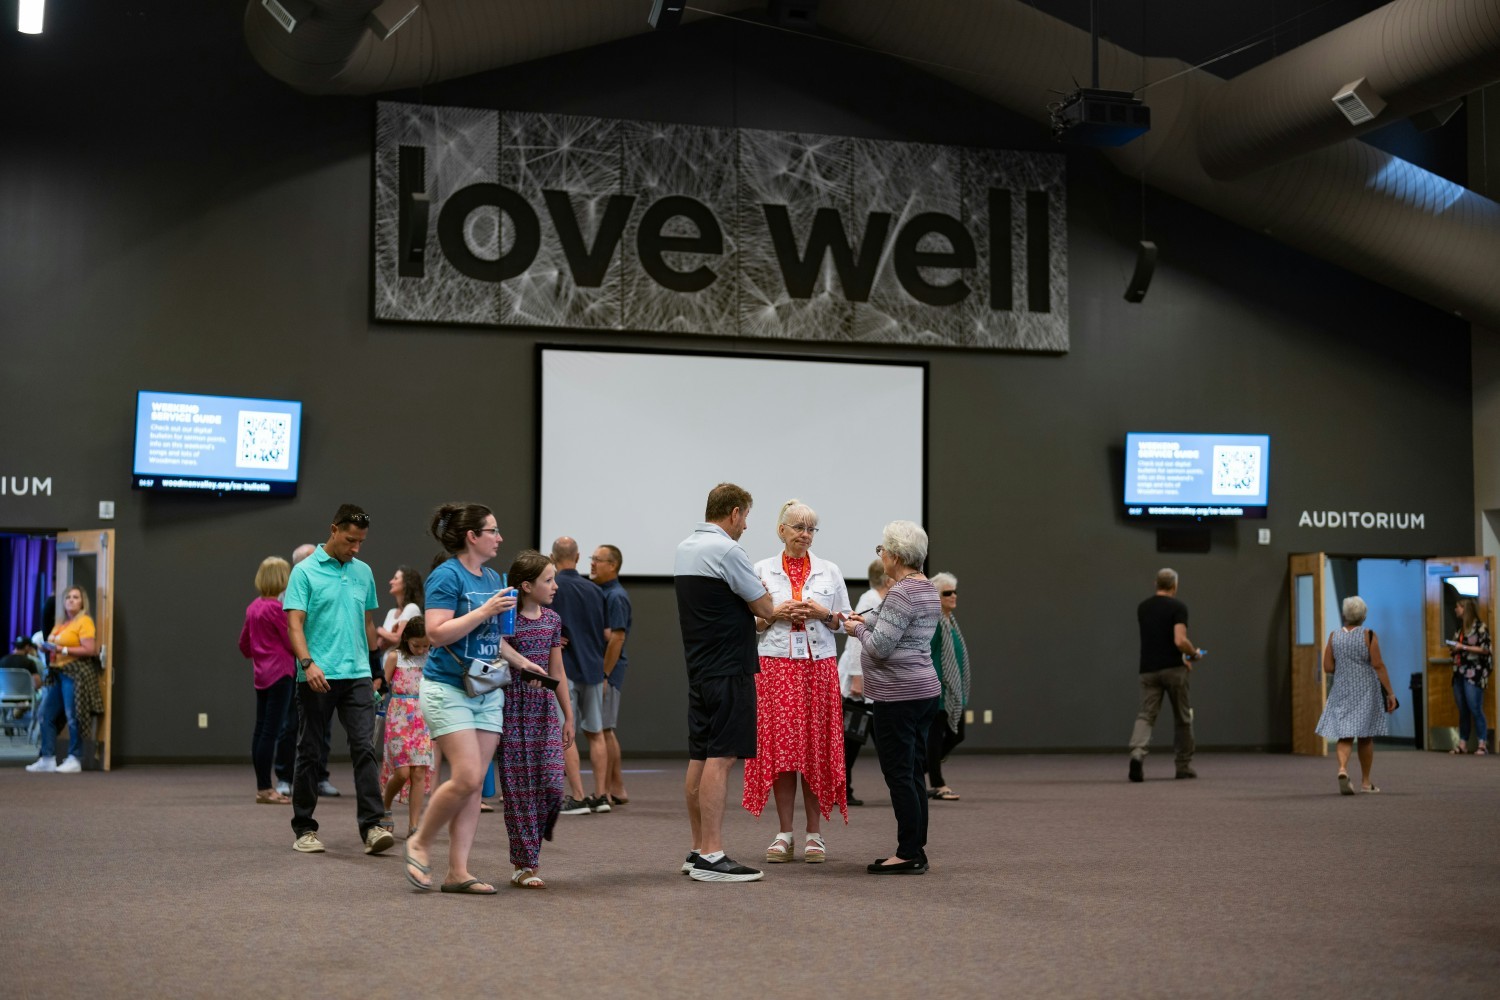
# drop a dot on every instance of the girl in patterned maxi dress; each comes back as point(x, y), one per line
point(408, 747)
point(536, 734)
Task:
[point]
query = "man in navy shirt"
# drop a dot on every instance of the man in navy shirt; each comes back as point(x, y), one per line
point(580, 604)
point(605, 571)
point(718, 598)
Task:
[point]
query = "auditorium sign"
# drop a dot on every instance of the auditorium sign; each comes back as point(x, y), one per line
point(501, 218)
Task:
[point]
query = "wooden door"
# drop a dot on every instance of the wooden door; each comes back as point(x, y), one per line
point(1447, 580)
point(1309, 693)
point(86, 559)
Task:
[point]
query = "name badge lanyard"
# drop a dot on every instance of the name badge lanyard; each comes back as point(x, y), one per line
point(798, 648)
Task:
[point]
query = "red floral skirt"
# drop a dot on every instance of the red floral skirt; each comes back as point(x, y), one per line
point(800, 727)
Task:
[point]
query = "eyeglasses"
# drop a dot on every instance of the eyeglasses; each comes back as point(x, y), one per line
point(950, 593)
point(488, 531)
point(799, 528)
point(604, 559)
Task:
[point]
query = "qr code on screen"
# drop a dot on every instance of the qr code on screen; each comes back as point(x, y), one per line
point(264, 440)
point(1236, 470)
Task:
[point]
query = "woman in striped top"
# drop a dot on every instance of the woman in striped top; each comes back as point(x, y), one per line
point(901, 681)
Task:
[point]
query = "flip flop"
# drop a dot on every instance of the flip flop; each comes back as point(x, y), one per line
point(1369, 791)
point(945, 795)
point(409, 863)
point(467, 887)
point(1344, 787)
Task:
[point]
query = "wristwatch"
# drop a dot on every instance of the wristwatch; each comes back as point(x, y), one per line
point(304, 663)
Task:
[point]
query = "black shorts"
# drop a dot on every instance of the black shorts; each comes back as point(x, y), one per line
point(721, 717)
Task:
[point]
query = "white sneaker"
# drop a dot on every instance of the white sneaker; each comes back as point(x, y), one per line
point(308, 843)
point(43, 765)
point(69, 766)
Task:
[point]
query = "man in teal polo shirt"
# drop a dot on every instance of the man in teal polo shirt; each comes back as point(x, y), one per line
point(330, 607)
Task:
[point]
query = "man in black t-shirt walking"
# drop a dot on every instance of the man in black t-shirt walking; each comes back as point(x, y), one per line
point(1167, 657)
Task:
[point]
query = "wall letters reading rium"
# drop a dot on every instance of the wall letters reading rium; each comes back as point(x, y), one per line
point(592, 223)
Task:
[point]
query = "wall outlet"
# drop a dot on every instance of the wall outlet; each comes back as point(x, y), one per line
point(1263, 536)
point(969, 717)
point(106, 510)
point(202, 720)
point(989, 716)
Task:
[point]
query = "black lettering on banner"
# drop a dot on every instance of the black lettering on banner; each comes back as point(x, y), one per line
point(651, 243)
point(455, 216)
point(800, 272)
point(588, 264)
point(909, 260)
point(1038, 252)
point(1001, 294)
point(411, 211)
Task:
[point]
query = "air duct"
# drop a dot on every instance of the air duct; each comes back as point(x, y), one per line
point(1344, 201)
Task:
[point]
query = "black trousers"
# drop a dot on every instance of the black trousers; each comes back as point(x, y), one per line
point(852, 747)
point(354, 701)
point(270, 710)
point(940, 743)
point(901, 729)
point(286, 743)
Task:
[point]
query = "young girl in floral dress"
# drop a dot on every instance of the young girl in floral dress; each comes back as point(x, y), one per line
point(531, 747)
point(408, 747)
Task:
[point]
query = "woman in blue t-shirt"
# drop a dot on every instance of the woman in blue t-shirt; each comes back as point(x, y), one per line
point(464, 602)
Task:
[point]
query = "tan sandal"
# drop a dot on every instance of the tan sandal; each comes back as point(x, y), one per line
point(1458, 749)
point(527, 878)
point(271, 797)
point(781, 849)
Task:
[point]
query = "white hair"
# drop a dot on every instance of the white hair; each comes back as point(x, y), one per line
point(907, 542)
point(1355, 610)
point(943, 581)
point(793, 510)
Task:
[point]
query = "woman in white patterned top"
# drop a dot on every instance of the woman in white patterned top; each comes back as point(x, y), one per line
point(1360, 696)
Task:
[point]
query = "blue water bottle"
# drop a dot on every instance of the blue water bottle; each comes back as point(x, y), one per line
point(507, 619)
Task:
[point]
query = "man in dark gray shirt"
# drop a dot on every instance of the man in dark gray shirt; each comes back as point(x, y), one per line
point(1166, 661)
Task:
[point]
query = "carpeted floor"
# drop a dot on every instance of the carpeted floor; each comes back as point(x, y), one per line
point(1053, 877)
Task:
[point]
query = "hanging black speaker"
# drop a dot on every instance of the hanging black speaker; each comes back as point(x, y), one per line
point(1145, 264)
point(665, 14)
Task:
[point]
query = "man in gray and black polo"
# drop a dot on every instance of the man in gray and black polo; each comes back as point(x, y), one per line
point(718, 597)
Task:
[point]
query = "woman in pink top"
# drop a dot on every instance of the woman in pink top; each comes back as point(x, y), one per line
point(263, 639)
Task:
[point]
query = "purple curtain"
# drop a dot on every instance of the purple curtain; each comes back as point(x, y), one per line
point(29, 561)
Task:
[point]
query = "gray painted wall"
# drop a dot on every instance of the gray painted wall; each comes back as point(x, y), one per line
point(208, 230)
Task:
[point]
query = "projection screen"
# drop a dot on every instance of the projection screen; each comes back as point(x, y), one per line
point(632, 441)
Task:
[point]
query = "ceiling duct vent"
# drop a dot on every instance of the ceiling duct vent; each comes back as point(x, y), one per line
point(1359, 102)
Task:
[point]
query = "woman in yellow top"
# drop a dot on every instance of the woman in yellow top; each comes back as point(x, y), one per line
point(72, 647)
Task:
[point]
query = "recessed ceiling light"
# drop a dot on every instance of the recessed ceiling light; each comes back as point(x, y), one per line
point(29, 21)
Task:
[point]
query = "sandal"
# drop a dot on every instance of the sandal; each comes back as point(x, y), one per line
point(387, 822)
point(945, 794)
point(1481, 750)
point(815, 851)
point(411, 832)
point(1345, 788)
point(271, 797)
point(527, 878)
point(781, 849)
point(1370, 788)
point(1459, 749)
point(469, 887)
point(409, 863)
point(485, 807)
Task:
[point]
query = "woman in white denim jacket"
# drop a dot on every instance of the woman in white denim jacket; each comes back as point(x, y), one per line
point(800, 727)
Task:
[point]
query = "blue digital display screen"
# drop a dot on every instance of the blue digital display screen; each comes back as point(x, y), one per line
point(216, 444)
point(1197, 475)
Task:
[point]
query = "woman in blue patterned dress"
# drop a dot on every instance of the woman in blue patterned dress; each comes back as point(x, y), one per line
point(536, 734)
point(1360, 696)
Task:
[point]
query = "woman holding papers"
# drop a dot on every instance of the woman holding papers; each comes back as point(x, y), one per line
point(801, 723)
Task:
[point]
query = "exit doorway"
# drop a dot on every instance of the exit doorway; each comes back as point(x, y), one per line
point(1411, 608)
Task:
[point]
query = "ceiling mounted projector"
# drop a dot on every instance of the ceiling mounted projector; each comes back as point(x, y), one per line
point(1092, 117)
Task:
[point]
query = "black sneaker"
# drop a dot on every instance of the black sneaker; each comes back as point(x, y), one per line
point(573, 807)
point(1186, 772)
point(597, 803)
point(726, 869)
point(1137, 773)
point(692, 859)
point(851, 800)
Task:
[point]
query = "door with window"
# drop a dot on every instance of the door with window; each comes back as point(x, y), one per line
point(1449, 580)
point(1309, 631)
point(85, 559)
